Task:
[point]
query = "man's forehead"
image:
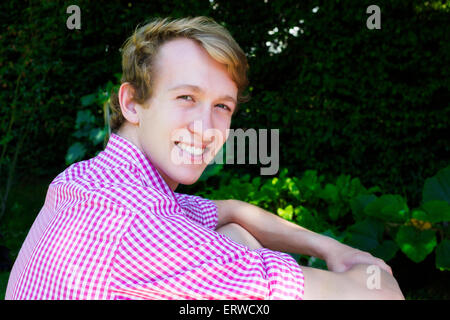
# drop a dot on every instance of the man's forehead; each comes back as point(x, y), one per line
point(179, 47)
point(184, 63)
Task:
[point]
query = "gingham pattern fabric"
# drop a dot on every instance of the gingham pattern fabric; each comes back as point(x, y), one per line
point(111, 228)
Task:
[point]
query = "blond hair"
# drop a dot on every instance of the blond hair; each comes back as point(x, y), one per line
point(139, 51)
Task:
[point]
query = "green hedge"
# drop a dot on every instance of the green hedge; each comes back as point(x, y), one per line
point(368, 103)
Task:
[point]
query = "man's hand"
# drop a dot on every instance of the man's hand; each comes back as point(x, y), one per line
point(340, 258)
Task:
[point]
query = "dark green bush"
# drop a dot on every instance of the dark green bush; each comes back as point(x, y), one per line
point(345, 210)
point(369, 103)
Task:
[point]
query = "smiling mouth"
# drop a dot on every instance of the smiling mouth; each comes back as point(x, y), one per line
point(190, 149)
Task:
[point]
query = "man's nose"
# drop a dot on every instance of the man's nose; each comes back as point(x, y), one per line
point(202, 123)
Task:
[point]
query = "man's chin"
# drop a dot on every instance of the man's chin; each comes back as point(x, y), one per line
point(188, 176)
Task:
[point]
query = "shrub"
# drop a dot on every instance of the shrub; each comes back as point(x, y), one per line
point(344, 209)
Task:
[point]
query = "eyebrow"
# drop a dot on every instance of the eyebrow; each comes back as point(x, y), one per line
point(199, 90)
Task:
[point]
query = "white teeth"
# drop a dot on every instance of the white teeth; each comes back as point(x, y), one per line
point(191, 149)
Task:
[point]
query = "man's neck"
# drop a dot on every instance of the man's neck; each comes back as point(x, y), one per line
point(129, 133)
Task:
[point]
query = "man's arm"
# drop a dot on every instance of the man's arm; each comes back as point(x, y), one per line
point(270, 230)
point(278, 234)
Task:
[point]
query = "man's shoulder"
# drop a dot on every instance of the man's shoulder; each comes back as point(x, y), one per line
point(119, 185)
point(95, 173)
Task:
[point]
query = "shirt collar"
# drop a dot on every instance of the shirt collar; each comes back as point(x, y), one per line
point(123, 150)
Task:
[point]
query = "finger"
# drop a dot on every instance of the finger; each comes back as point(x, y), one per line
point(369, 259)
point(383, 265)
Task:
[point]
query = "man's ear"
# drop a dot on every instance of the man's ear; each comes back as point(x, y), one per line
point(127, 104)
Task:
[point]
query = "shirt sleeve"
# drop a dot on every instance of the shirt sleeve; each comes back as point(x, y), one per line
point(171, 257)
point(199, 210)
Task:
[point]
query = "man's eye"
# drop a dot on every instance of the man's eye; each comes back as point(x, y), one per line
point(223, 106)
point(188, 98)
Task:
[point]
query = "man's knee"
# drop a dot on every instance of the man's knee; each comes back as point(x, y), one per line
point(358, 283)
point(374, 282)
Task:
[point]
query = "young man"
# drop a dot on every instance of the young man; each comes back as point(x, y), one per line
point(112, 227)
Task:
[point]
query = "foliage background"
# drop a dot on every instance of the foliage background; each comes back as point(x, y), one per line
point(373, 104)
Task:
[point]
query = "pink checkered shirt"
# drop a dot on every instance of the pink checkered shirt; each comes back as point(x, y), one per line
point(111, 228)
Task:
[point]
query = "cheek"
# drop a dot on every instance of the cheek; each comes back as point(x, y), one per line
point(218, 135)
point(223, 125)
point(162, 121)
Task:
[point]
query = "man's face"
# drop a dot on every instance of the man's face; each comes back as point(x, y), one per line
point(185, 122)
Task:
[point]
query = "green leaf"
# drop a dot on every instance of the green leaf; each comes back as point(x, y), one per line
point(388, 207)
point(437, 187)
point(97, 135)
point(415, 243)
point(355, 188)
point(329, 193)
point(292, 187)
point(386, 250)
point(80, 133)
point(365, 235)
point(256, 182)
point(419, 215)
point(437, 211)
point(305, 218)
point(84, 117)
point(374, 189)
point(443, 255)
point(88, 99)
point(286, 213)
point(359, 203)
point(309, 180)
point(75, 153)
point(334, 211)
point(343, 184)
